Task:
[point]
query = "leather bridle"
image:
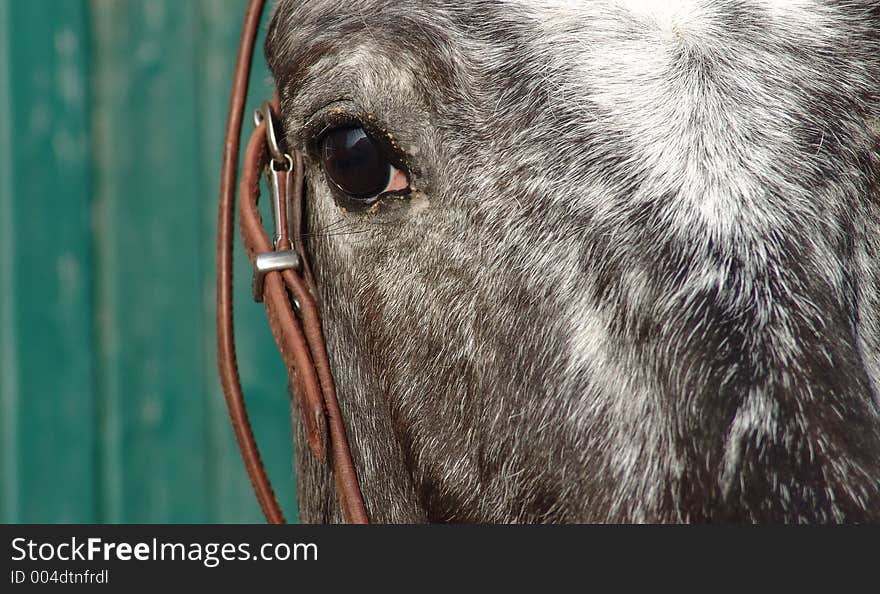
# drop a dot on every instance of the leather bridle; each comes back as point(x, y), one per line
point(283, 283)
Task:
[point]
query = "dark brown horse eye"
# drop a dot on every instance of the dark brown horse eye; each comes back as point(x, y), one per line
point(354, 163)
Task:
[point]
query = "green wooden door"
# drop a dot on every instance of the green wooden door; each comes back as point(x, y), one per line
point(111, 123)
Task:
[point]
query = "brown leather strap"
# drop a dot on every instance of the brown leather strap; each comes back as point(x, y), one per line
point(299, 338)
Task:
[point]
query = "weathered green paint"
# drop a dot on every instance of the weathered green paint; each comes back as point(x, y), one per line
point(50, 282)
point(110, 406)
point(8, 355)
point(146, 202)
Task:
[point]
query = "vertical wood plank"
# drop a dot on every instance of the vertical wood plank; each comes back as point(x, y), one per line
point(133, 259)
point(149, 198)
point(263, 374)
point(48, 389)
point(9, 390)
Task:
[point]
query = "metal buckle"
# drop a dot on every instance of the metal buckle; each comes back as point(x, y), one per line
point(266, 114)
point(279, 162)
point(273, 182)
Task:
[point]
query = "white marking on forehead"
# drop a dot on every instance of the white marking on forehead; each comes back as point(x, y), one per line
point(670, 17)
point(644, 90)
point(667, 15)
point(659, 8)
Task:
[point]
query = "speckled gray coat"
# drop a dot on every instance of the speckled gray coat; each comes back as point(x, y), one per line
point(636, 278)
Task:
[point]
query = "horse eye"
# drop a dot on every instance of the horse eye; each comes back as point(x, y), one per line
point(354, 162)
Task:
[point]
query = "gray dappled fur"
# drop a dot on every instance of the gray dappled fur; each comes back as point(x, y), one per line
point(636, 278)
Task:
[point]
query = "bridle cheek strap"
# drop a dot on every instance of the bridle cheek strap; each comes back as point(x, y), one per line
point(283, 292)
point(300, 340)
